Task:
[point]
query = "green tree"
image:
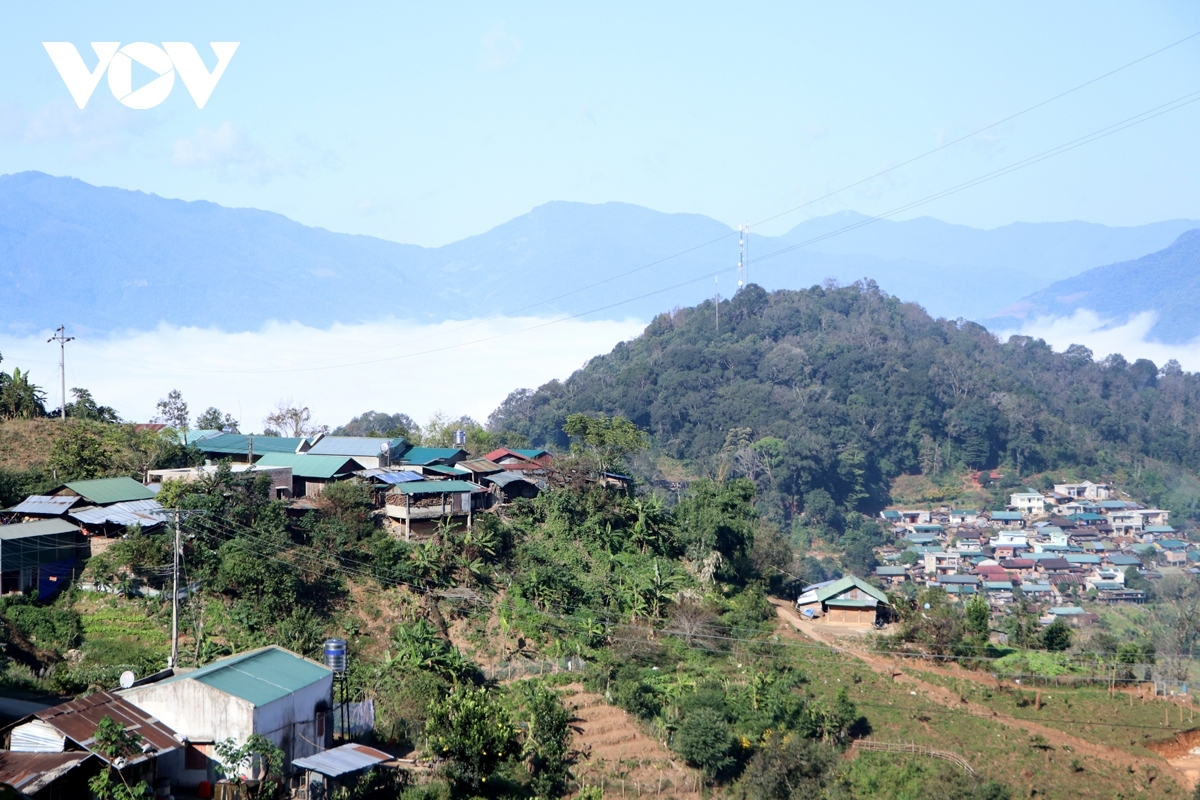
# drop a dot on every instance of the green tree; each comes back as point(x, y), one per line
point(473, 731)
point(79, 453)
point(19, 398)
point(257, 758)
point(85, 407)
point(213, 419)
point(979, 616)
point(1057, 636)
point(117, 745)
point(547, 738)
point(173, 411)
point(704, 741)
point(608, 439)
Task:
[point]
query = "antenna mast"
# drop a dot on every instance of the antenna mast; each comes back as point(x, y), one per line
point(60, 336)
point(743, 234)
point(717, 302)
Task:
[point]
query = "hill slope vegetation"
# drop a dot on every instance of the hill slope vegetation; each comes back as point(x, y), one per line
point(834, 392)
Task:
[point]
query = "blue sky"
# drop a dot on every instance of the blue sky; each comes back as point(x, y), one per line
point(426, 123)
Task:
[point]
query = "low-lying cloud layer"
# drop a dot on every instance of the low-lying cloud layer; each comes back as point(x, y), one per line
point(463, 367)
point(1104, 337)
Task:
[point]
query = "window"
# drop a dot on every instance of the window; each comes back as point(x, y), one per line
point(196, 757)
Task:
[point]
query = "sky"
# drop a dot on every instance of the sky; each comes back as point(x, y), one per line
point(426, 123)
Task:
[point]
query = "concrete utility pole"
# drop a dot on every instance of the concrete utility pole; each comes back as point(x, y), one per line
point(176, 554)
point(60, 336)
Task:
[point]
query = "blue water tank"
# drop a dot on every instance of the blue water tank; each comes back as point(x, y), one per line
point(335, 654)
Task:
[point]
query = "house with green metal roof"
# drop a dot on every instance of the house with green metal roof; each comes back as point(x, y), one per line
point(272, 692)
point(39, 555)
point(429, 456)
point(243, 448)
point(849, 600)
point(429, 502)
point(105, 491)
point(311, 474)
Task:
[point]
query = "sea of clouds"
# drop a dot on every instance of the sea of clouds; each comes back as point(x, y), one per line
point(1104, 337)
point(460, 367)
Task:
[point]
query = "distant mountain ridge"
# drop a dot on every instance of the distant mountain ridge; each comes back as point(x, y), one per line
point(104, 259)
point(1166, 282)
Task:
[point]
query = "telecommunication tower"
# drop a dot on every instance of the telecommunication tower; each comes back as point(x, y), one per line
point(743, 264)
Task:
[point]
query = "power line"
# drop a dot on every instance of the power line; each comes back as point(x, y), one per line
point(1094, 136)
point(978, 131)
point(593, 616)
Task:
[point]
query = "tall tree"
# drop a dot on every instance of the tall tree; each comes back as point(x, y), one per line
point(173, 411)
point(292, 420)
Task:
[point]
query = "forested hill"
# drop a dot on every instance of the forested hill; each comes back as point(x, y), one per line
point(845, 388)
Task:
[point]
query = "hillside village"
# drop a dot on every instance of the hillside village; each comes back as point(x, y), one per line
point(1078, 541)
point(1054, 549)
point(181, 716)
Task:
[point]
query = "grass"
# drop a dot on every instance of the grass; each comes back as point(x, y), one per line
point(1088, 713)
point(25, 443)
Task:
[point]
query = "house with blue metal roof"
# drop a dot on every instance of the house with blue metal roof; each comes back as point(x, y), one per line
point(372, 452)
point(272, 692)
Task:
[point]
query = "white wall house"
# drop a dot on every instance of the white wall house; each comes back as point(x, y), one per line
point(1028, 502)
point(272, 692)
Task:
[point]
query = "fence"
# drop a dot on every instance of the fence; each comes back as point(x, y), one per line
point(517, 669)
point(361, 718)
point(913, 749)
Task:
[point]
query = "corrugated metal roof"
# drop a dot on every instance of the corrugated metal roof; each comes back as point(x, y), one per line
point(106, 491)
point(305, 465)
point(397, 477)
point(236, 443)
point(45, 505)
point(439, 469)
point(78, 720)
point(507, 477)
point(356, 446)
point(343, 760)
point(436, 487)
point(427, 455)
point(134, 512)
point(41, 527)
point(480, 465)
point(259, 677)
point(32, 772)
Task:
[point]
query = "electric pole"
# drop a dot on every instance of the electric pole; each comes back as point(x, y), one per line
point(60, 336)
point(176, 555)
point(174, 662)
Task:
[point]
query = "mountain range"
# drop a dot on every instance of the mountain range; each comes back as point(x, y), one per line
point(103, 259)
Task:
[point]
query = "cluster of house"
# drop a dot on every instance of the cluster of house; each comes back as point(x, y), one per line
point(1054, 547)
point(179, 717)
point(44, 537)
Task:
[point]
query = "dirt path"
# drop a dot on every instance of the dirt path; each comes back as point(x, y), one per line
point(615, 753)
point(948, 698)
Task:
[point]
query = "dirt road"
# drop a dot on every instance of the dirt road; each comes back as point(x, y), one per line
point(945, 697)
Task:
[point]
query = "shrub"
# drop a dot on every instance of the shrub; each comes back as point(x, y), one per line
point(704, 741)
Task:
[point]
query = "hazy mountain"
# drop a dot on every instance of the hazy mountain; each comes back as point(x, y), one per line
point(103, 259)
point(1166, 282)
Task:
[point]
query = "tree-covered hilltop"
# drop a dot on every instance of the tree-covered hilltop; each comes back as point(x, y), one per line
point(842, 389)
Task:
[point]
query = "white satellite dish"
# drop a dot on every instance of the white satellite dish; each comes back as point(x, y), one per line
point(384, 447)
point(127, 679)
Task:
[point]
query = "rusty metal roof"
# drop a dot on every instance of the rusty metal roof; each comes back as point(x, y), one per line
point(32, 772)
point(78, 719)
